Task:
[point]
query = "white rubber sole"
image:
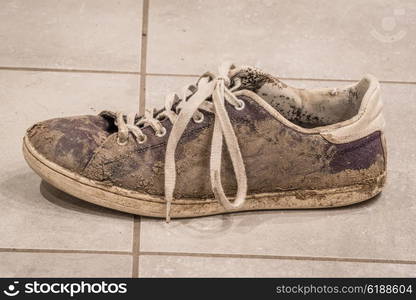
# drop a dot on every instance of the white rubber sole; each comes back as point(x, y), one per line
point(155, 206)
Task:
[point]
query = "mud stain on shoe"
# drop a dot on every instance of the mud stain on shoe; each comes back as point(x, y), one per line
point(69, 142)
point(276, 157)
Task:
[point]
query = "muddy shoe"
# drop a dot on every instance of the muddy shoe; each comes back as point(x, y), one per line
point(239, 141)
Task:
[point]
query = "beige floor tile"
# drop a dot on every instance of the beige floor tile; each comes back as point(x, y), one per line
point(32, 214)
point(64, 265)
point(381, 228)
point(157, 87)
point(329, 39)
point(188, 266)
point(75, 34)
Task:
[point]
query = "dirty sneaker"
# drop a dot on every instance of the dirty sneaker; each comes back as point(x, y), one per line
point(237, 141)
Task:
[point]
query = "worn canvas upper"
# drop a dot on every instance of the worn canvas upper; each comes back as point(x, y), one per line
point(286, 143)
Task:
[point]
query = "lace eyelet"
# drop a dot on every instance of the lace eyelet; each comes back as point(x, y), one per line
point(161, 118)
point(161, 133)
point(241, 105)
point(142, 139)
point(199, 119)
point(120, 142)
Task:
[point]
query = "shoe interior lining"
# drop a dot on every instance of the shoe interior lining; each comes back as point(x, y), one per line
point(316, 107)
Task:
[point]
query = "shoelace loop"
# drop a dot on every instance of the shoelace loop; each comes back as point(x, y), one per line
point(194, 99)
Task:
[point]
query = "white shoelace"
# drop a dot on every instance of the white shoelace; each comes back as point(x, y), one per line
point(208, 86)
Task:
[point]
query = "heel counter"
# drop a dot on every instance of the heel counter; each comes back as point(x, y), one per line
point(367, 155)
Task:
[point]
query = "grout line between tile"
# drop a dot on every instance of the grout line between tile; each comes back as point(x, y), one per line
point(34, 69)
point(172, 75)
point(136, 247)
point(143, 80)
point(143, 56)
point(284, 78)
point(346, 80)
point(279, 257)
point(26, 250)
point(136, 253)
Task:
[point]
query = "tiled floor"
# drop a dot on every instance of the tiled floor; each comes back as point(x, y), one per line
point(83, 56)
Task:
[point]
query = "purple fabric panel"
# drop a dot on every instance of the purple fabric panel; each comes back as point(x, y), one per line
point(356, 155)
